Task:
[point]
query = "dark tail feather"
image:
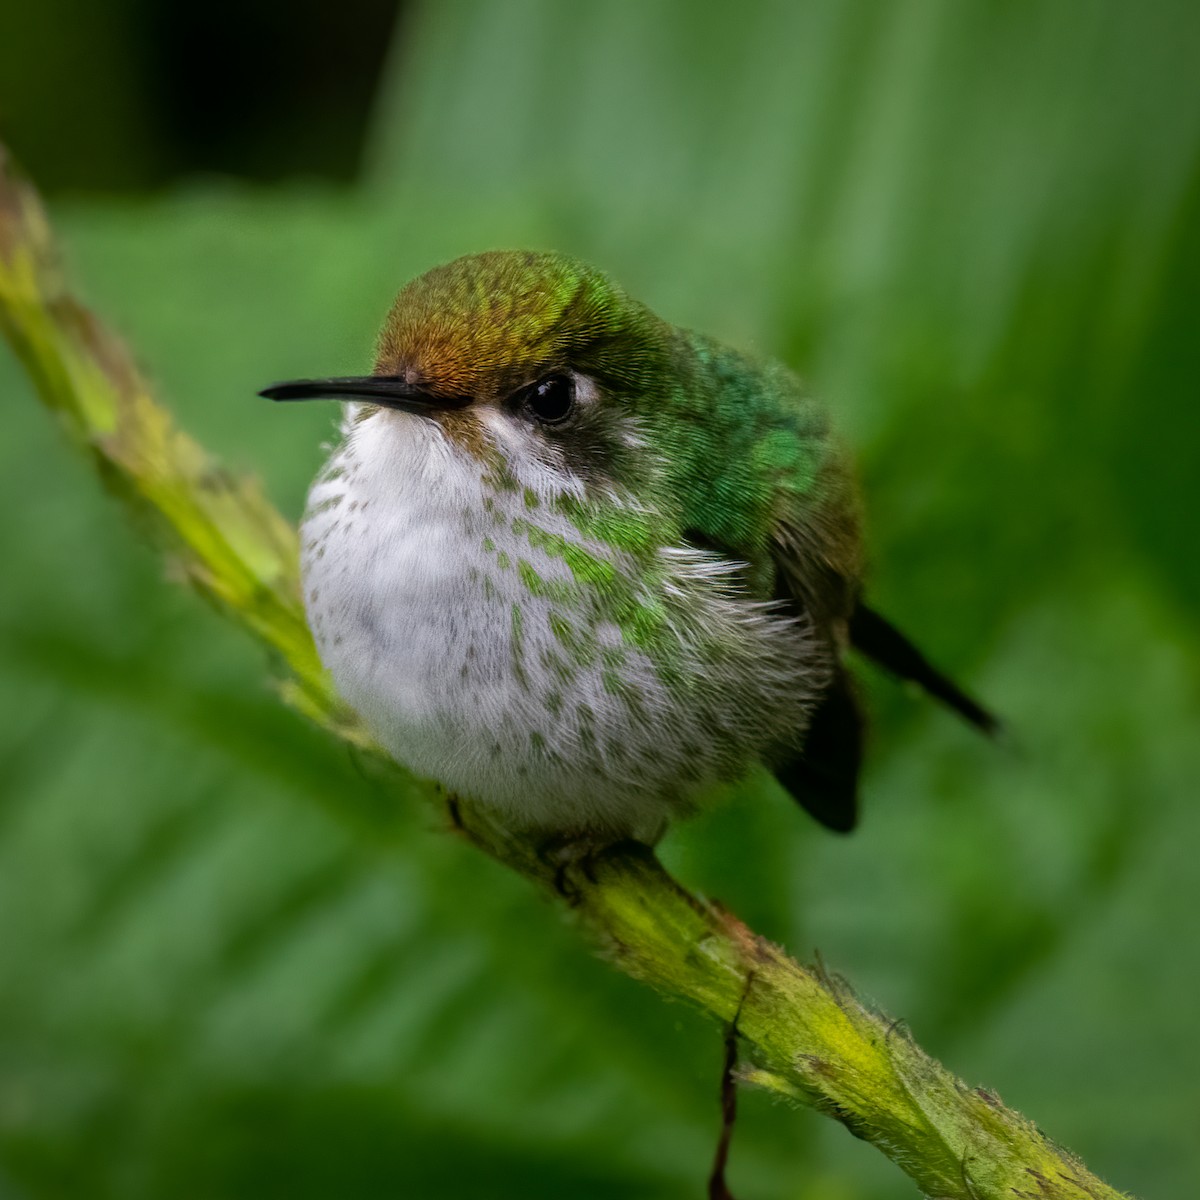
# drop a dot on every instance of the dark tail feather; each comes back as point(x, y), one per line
point(823, 778)
point(879, 639)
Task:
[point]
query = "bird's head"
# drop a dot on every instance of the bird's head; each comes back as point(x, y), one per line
point(532, 362)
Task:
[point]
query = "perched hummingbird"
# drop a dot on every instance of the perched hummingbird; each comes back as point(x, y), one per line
point(579, 564)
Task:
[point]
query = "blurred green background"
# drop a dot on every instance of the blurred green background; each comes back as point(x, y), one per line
point(231, 967)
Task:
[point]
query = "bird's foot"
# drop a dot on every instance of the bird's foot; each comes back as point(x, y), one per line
point(574, 860)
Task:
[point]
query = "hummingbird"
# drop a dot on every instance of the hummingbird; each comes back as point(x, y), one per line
point(581, 565)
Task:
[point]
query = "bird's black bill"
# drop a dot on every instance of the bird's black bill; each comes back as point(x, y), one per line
point(389, 391)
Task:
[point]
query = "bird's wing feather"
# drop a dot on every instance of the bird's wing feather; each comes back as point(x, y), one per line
point(816, 553)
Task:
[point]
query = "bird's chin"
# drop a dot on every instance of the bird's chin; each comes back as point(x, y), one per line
point(364, 420)
point(359, 411)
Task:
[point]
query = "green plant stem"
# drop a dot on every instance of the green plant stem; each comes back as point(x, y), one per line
point(805, 1034)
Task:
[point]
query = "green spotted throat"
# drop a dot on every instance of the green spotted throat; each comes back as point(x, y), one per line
point(580, 565)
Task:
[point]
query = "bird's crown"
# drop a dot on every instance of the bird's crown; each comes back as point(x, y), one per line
point(485, 324)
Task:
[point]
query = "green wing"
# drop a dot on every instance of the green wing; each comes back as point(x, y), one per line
point(818, 575)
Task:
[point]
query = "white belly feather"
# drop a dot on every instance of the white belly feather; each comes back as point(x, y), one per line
point(417, 595)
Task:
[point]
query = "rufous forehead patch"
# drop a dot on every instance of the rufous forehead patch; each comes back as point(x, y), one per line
point(486, 324)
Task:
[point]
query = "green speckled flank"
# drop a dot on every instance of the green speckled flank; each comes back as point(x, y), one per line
point(557, 667)
point(535, 585)
point(557, 590)
point(597, 593)
point(499, 478)
point(586, 725)
point(561, 628)
point(613, 656)
point(326, 505)
point(617, 685)
point(578, 641)
point(646, 621)
point(628, 530)
point(518, 647)
point(629, 600)
point(586, 567)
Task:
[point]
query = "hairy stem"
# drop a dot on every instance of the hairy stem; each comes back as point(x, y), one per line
point(805, 1034)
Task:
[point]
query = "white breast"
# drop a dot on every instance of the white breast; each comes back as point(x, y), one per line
point(416, 587)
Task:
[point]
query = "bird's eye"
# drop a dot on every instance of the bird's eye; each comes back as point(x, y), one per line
point(551, 400)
